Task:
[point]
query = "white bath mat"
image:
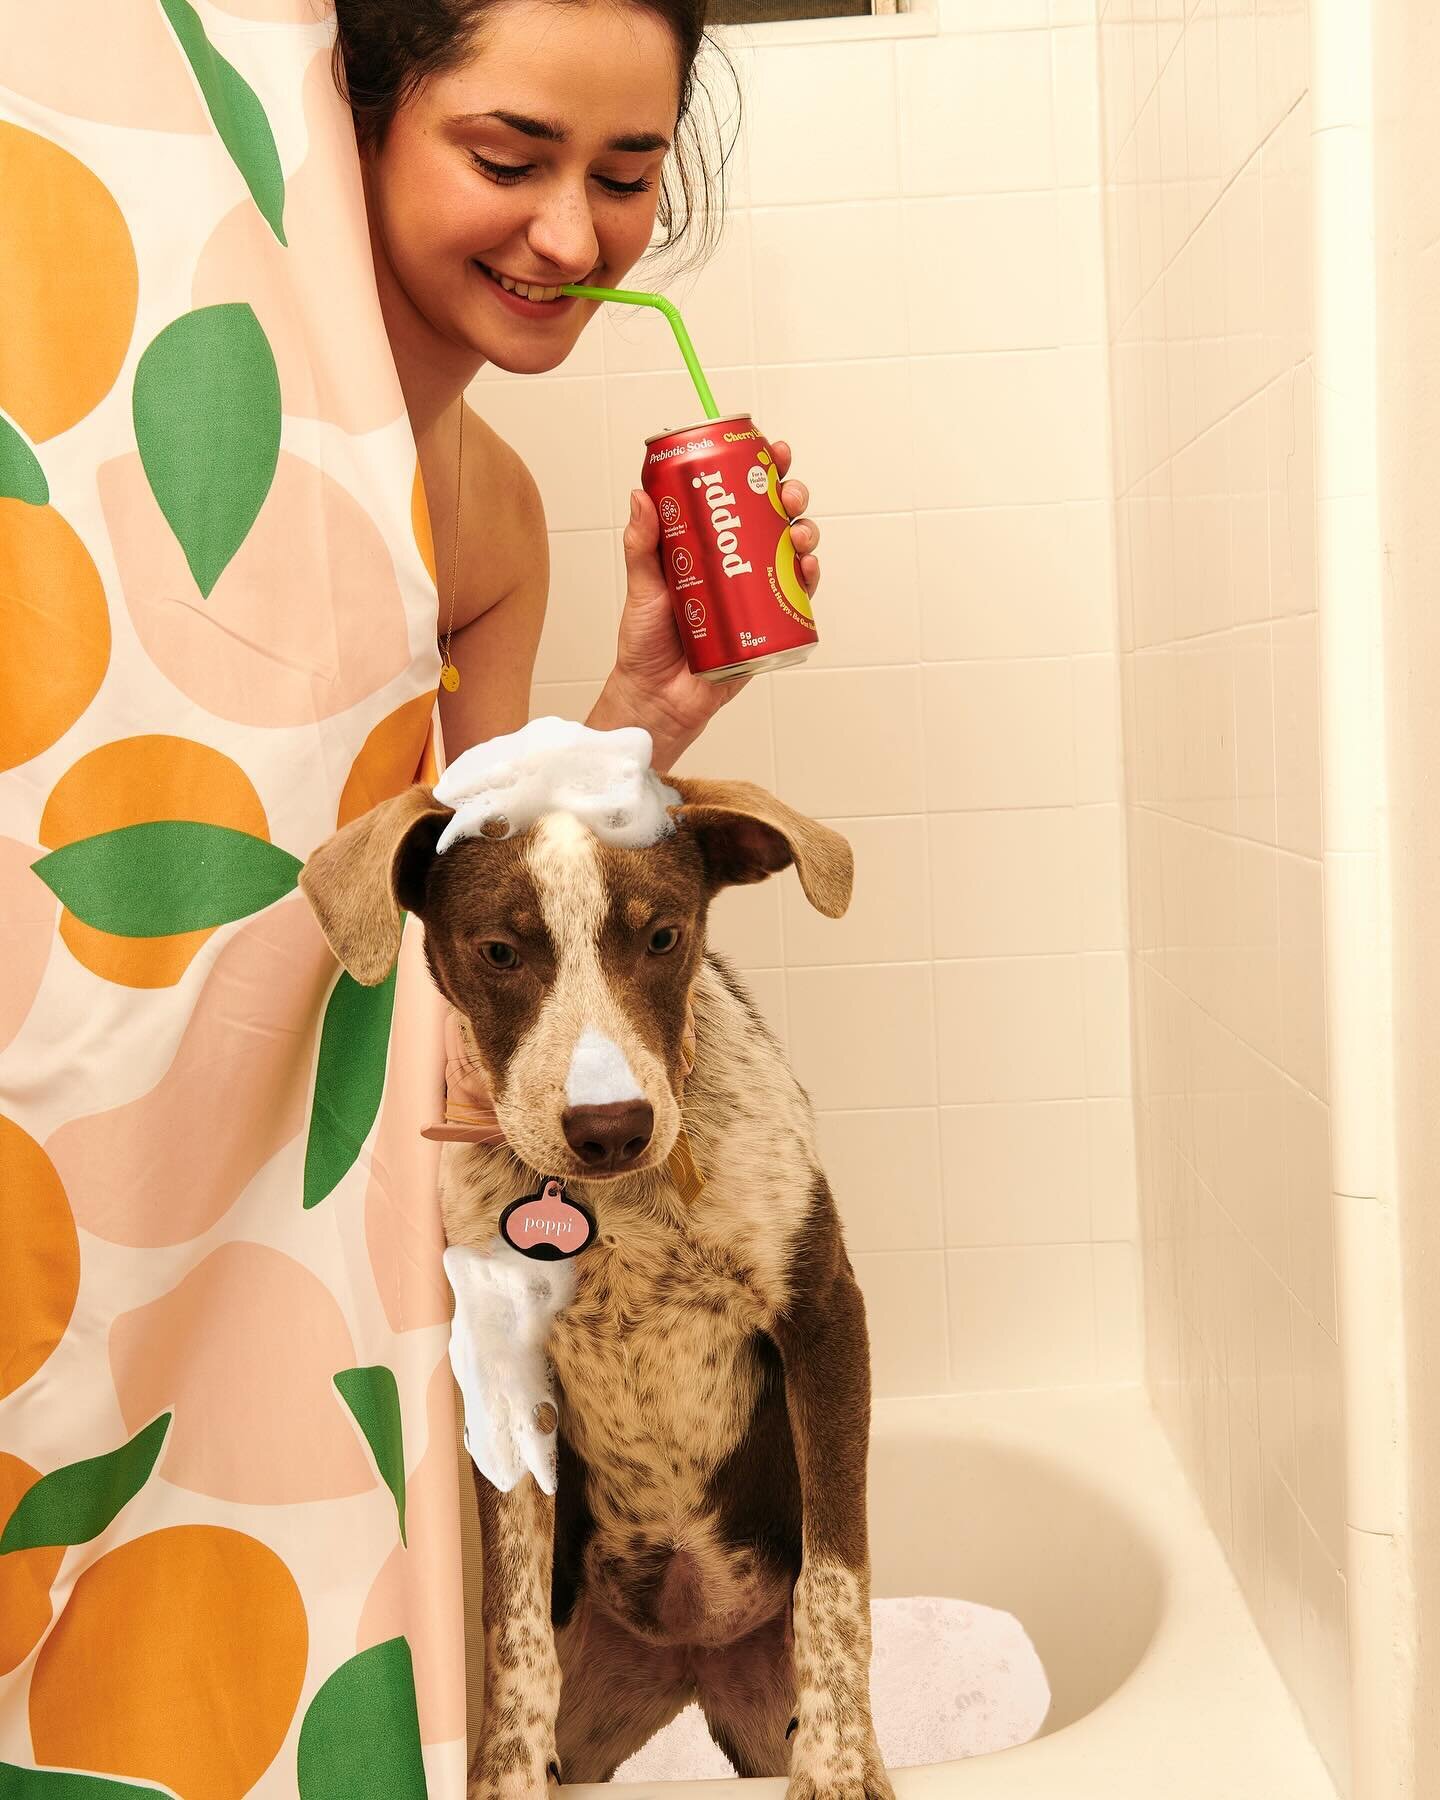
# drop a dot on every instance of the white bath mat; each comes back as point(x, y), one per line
point(947, 1679)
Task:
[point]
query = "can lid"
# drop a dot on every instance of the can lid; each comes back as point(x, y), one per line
point(701, 425)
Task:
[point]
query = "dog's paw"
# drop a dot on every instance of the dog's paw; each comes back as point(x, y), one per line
point(515, 1784)
point(866, 1784)
point(511, 1769)
point(829, 1765)
point(872, 1785)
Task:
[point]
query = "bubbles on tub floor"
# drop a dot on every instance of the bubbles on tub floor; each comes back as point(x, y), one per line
point(948, 1679)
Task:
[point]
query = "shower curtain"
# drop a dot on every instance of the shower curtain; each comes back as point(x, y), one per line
point(229, 1558)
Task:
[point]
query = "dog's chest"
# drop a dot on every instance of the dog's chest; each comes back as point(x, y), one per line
point(654, 1356)
point(657, 1358)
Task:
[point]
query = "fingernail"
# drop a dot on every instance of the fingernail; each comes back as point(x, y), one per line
point(634, 505)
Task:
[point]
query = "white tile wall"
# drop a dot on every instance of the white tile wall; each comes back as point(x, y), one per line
point(912, 292)
point(1207, 159)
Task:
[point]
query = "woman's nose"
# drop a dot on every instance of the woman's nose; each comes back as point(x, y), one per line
point(562, 233)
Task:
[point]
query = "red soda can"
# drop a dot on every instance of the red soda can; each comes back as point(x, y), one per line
point(725, 546)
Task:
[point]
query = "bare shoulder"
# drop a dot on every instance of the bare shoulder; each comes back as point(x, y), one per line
point(499, 547)
point(504, 517)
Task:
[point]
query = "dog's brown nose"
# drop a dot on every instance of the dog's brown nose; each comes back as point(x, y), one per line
point(609, 1136)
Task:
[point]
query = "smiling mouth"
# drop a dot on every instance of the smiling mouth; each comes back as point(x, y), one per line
point(525, 290)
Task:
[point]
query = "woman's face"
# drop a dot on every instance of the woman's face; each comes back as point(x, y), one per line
point(537, 160)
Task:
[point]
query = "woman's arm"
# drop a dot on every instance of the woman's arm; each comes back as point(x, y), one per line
point(651, 683)
point(496, 639)
point(495, 654)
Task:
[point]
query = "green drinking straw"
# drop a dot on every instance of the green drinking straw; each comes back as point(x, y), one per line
point(677, 325)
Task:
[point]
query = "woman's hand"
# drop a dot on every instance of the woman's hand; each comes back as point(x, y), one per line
point(651, 683)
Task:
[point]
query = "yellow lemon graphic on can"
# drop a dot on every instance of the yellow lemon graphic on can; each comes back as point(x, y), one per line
point(791, 586)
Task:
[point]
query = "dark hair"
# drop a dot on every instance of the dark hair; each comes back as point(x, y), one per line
point(386, 49)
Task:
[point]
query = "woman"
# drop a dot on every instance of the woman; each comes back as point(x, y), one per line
point(525, 143)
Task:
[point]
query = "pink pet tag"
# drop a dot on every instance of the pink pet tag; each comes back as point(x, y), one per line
point(548, 1225)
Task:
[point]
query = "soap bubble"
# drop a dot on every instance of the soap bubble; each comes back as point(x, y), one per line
point(603, 778)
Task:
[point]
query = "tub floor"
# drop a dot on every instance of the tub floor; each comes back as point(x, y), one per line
point(1203, 1715)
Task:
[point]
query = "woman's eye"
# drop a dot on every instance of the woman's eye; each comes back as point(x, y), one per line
point(505, 173)
point(663, 940)
point(501, 956)
point(611, 186)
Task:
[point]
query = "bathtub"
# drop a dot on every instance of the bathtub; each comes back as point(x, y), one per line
point(1069, 1510)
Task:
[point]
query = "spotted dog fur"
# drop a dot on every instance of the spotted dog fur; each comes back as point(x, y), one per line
point(707, 1540)
point(522, 1670)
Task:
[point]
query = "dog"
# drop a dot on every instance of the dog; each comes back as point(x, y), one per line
point(707, 1538)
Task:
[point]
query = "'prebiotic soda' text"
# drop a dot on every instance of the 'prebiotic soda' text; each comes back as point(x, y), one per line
point(725, 545)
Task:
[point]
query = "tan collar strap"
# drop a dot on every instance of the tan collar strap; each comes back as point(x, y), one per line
point(469, 1110)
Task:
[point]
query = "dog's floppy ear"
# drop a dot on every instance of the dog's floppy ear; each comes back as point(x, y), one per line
point(746, 834)
point(358, 880)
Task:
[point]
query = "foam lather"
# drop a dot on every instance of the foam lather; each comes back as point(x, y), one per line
point(948, 1679)
point(500, 788)
point(505, 1305)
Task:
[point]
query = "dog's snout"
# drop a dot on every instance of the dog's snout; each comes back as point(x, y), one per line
point(611, 1136)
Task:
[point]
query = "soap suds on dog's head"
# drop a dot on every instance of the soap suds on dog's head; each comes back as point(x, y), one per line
point(500, 788)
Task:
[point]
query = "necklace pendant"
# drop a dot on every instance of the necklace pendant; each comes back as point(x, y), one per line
point(449, 677)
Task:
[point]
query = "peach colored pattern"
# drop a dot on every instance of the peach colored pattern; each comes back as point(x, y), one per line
point(392, 755)
point(169, 1085)
point(244, 1351)
point(276, 643)
point(420, 523)
point(140, 80)
point(402, 1600)
point(132, 781)
point(179, 1658)
point(316, 299)
point(402, 1223)
point(28, 908)
point(57, 646)
point(41, 1253)
point(165, 1167)
point(26, 1576)
point(67, 305)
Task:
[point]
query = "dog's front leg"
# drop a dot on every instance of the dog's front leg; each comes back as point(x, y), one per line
point(515, 1757)
point(833, 1754)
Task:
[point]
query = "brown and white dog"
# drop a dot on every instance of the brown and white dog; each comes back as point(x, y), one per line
point(708, 1537)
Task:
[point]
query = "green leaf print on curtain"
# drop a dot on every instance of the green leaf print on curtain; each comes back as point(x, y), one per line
point(207, 422)
point(361, 1734)
point(74, 1504)
point(61, 1784)
point(349, 1078)
point(238, 115)
point(167, 876)
point(21, 477)
point(374, 1398)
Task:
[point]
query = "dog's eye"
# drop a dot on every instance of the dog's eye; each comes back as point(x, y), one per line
point(501, 956)
point(664, 938)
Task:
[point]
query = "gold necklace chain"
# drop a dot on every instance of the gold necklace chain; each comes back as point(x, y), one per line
point(449, 674)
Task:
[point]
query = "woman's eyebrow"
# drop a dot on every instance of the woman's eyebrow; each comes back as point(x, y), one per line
point(634, 142)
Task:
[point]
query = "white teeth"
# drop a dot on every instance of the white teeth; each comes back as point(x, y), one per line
point(527, 290)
